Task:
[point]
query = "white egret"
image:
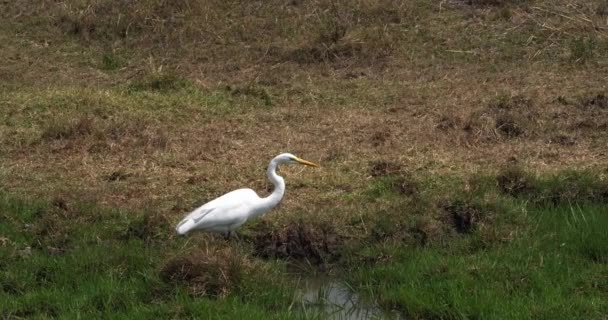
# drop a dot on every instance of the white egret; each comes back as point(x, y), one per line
point(230, 211)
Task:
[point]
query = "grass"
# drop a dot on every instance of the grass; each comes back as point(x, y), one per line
point(535, 254)
point(437, 125)
point(90, 263)
point(481, 253)
point(553, 270)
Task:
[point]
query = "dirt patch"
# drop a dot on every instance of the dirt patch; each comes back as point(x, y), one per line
point(508, 126)
point(60, 203)
point(563, 140)
point(383, 168)
point(514, 181)
point(313, 242)
point(599, 101)
point(505, 117)
point(446, 123)
point(465, 217)
point(589, 124)
point(379, 138)
point(426, 230)
point(118, 175)
point(204, 273)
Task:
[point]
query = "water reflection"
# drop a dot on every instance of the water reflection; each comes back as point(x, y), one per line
point(334, 300)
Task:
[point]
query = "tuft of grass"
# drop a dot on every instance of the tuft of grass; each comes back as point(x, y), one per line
point(213, 274)
point(254, 91)
point(65, 129)
point(312, 242)
point(514, 181)
point(582, 49)
point(160, 82)
point(110, 61)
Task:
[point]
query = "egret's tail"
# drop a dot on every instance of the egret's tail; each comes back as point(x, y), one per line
point(184, 226)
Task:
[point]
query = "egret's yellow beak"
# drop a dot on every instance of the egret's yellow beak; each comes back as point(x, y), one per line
point(308, 163)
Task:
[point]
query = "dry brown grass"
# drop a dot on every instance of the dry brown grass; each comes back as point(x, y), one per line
point(207, 273)
point(165, 105)
point(312, 242)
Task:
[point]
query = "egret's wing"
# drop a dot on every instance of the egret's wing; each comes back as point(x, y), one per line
point(193, 218)
point(223, 217)
point(226, 210)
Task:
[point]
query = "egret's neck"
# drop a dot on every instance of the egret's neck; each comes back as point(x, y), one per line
point(279, 189)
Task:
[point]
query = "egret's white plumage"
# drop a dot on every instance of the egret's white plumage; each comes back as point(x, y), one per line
point(230, 211)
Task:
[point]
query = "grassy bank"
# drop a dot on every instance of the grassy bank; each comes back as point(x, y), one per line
point(557, 269)
point(481, 253)
point(90, 262)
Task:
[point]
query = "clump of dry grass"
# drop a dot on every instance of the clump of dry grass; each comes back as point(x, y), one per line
point(98, 132)
point(68, 128)
point(315, 243)
point(599, 101)
point(207, 273)
point(507, 117)
point(383, 168)
point(514, 181)
point(152, 20)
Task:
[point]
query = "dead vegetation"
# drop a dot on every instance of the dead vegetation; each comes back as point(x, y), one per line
point(130, 103)
point(316, 244)
point(383, 168)
point(207, 273)
point(506, 117)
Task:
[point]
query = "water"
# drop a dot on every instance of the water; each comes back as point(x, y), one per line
point(334, 300)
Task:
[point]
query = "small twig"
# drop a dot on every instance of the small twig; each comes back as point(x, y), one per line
point(461, 51)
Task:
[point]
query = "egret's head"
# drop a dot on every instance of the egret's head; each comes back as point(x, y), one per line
point(289, 158)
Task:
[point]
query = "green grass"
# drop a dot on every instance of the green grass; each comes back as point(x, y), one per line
point(556, 269)
point(92, 265)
